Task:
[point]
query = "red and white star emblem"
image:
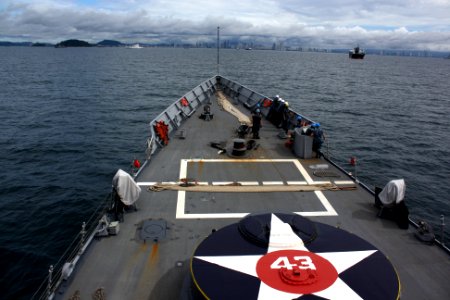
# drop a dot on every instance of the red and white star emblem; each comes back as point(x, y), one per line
point(289, 270)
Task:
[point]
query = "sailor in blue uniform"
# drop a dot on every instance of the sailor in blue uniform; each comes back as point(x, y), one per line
point(299, 123)
point(271, 114)
point(256, 123)
point(319, 137)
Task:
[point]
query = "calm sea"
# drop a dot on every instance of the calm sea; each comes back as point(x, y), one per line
point(71, 117)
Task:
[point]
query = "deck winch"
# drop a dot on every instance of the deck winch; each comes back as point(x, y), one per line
point(239, 148)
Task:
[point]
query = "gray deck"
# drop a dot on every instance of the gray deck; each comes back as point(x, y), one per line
point(127, 268)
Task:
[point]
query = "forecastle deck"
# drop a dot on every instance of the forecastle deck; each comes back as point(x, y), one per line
point(156, 264)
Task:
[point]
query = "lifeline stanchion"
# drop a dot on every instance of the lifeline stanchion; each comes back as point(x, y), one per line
point(49, 285)
point(353, 163)
point(328, 149)
point(83, 234)
point(442, 229)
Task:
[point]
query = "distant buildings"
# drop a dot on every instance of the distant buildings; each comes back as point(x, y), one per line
point(233, 43)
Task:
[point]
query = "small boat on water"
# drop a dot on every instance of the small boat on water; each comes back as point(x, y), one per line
point(356, 53)
point(135, 46)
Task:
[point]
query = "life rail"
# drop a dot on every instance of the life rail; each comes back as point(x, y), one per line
point(176, 113)
point(441, 244)
point(251, 99)
point(73, 252)
point(173, 116)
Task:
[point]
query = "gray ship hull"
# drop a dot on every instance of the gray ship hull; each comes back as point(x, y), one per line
point(150, 256)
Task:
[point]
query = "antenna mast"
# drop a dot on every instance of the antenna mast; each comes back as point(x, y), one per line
point(218, 47)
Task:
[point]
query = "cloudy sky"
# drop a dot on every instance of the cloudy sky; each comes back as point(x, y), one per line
point(381, 24)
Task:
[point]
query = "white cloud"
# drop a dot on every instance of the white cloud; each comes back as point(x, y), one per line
point(411, 24)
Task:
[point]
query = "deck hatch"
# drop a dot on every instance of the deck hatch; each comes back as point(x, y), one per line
point(326, 173)
point(153, 230)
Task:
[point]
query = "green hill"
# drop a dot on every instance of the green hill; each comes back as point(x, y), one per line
point(110, 43)
point(72, 43)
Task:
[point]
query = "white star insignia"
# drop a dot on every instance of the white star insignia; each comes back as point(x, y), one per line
point(282, 237)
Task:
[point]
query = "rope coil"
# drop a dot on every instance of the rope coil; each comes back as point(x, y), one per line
point(227, 106)
point(236, 187)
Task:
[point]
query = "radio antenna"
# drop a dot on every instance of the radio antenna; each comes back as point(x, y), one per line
point(218, 47)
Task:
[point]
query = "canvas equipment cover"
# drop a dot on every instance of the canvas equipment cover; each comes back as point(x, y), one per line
point(126, 187)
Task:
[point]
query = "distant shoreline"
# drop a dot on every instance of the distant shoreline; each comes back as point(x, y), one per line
point(116, 44)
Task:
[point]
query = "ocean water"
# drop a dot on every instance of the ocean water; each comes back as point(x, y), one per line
point(71, 117)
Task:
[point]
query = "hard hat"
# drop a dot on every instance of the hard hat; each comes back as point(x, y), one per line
point(287, 103)
point(299, 118)
point(257, 110)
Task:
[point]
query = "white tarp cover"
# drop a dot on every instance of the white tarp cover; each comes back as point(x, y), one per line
point(393, 192)
point(126, 187)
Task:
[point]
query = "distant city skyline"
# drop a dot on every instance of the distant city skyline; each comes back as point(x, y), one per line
point(376, 24)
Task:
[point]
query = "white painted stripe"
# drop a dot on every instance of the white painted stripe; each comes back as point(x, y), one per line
point(248, 182)
point(222, 182)
point(183, 168)
point(241, 215)
point(238, 160)
point(181, 203)
point(338, 182)
point(296, 182)
point(181, 198)
point(145, 183)
point(322, 182)
point(316, 213)
point(303, 172)
point(273, 183)
point(150, 183)
point(212, 216)
point(170, 182)
point(328, 207)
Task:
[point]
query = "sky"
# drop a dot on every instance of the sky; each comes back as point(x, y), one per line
point(374, 24)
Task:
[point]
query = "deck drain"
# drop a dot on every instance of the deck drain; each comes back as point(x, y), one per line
point(153, 229)
point(325, 173)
